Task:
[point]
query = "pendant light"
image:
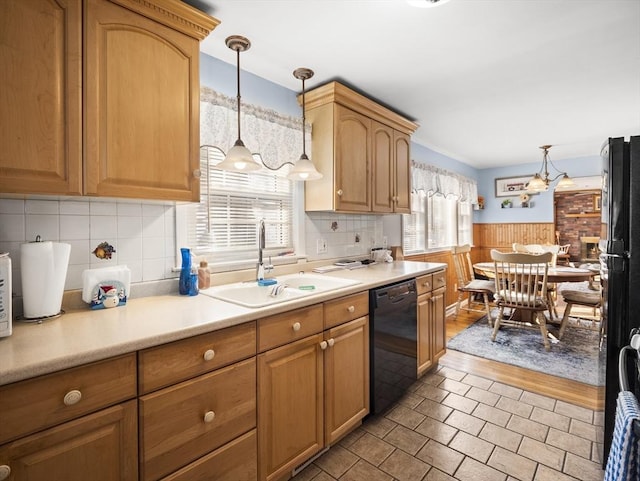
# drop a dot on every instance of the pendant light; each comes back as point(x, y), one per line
point(541, 180)
point(304, 168)
point(239, 158)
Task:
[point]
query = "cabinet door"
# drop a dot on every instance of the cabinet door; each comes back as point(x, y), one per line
point(438, 323)
point(100, 447)
point(346, 362)
point(352, 161)
point(425, 352)
point(402, 178)
point(41, 96)
point(180, 423)
point(383, 168)
point(141, 106)
point(290, 414)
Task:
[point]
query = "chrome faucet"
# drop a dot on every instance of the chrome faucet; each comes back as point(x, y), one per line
point(261, 267)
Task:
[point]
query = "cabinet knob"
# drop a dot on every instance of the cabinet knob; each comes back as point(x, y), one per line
point(427, 284)
point(296, 326)
point(209, 354)
point(72, 397)
point(339, 192)
point(351, 309)
point(323, 345)
point(209, 416)
point(440, 279)
point(331, 342)
point(5, 471)
point(197, 173)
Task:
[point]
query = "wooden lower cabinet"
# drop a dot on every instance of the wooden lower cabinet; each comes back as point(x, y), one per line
point(235, 461)
point(100, 447)
point(425, 321)
point(290, 406)
point(181, 423)
point(432, 339)
point(311, 393)
point(346, 370)
point(439, 329)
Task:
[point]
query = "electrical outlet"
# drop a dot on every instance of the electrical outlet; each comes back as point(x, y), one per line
point(321, 246)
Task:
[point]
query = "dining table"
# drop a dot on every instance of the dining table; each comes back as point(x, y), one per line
point(555, 275)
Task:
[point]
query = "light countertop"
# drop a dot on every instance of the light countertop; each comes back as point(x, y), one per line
point(84, 336)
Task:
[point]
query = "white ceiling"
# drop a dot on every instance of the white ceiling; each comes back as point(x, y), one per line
point(487, 80)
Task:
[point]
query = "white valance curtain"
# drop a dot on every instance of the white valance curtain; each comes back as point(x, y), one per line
point(276, 137)
point(433, 180)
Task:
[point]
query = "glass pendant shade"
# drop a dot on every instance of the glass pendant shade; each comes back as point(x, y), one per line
point(304, 170)
point(537, 184)
point(239, 159)
point(565, 182)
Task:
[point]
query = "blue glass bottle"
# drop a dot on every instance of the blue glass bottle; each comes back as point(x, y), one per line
point(184, 285)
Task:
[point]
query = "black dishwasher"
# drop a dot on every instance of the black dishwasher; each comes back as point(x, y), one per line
point(393, 343)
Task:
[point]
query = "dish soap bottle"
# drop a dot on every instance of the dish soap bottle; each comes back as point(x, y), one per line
point(204, 276)
point(184, 283)
point(193, 282)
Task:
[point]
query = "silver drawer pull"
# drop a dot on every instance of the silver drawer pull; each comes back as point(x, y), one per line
point(209, 354)
point(5, 471)
point(296, 326)
point(351, 309)
point(209, 416)
point(72, 397)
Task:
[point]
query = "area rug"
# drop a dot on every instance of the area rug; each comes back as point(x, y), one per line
point(576, 356)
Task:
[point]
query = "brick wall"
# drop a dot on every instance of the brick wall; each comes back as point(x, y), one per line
point(576, 216)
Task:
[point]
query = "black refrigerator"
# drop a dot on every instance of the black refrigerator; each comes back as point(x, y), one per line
point(619, 262)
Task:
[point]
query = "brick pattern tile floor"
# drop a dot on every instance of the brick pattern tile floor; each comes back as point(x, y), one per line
point(456, 426)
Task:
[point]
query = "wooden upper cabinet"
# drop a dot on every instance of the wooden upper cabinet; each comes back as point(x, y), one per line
point(41, 96)
point(402, 173)
point(383, 175)
point(352, 161)
point(101, 97)
point(362, 150)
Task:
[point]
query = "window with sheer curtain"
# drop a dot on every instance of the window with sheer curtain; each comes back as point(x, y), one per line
point(441, 210)
point(223, 226)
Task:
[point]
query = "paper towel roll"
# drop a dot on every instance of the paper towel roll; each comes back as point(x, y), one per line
point(44, 270)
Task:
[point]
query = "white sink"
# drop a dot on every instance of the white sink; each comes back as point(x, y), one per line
point(250, 294)
point(316, 283)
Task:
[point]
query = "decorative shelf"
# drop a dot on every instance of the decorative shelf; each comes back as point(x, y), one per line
point(586, 214)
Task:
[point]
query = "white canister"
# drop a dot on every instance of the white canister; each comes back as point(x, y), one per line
point(5, 295)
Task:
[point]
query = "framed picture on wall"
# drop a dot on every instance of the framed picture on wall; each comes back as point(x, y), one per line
point(512, 186)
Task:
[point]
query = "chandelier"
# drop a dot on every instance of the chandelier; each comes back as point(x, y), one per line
point(540, 182)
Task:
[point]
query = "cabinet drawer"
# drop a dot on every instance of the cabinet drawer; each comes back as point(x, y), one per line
point(181, 360)
point(287, 327)
point(34, 404)
point(181, 423)
point(235, 461)
point(345, 309)
point(439, 279)
point(424, 284)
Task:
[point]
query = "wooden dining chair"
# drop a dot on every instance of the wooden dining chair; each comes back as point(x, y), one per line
point(521, 286)
point(468, 284)
point(551, 288)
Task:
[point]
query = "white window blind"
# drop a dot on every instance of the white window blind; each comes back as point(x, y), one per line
point(224, 227)
point(413, 225)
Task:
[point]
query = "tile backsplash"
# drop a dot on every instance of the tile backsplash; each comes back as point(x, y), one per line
point(346, 235)
point(142, 233)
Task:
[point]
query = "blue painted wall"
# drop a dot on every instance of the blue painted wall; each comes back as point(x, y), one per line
point(542, 204)
point(221, 76)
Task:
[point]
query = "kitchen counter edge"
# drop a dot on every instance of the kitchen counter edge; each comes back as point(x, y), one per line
point(85, 336)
